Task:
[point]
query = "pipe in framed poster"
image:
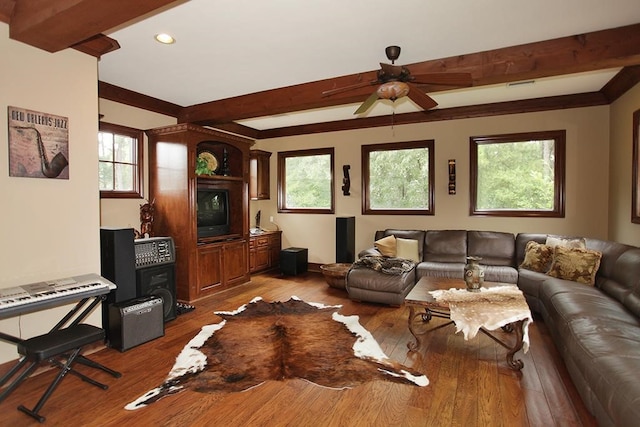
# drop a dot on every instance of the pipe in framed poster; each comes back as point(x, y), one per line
point(38, 144)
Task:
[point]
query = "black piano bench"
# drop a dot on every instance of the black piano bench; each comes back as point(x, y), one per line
point(67, 342)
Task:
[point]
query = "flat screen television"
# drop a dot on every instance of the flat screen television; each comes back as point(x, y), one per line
point(213, 212)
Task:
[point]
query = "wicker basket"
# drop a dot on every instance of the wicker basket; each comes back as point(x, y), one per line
point(335, 274)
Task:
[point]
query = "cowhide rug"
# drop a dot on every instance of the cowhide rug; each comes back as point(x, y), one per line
point(263, 341)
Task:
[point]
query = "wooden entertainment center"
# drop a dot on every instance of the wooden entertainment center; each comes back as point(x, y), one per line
point(207, 264)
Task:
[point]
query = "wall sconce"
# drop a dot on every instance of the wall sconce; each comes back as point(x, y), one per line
point(452, 176)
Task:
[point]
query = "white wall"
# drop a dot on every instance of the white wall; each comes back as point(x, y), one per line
point(620, 166)
point(49, 227)
point(125, 213)
point(587, 179)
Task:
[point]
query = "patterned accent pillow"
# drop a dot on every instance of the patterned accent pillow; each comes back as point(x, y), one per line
point(537, 257)
point(386, 245)
point(578, 265)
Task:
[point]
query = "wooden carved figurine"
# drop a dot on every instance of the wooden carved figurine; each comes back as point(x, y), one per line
point(146, 220)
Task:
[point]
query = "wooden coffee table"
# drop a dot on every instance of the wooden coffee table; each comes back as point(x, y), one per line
point(420, 298)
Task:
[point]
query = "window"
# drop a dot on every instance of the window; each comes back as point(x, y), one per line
point(519, 175)
point(120, 161)
point(305, 181)
point(397, 178)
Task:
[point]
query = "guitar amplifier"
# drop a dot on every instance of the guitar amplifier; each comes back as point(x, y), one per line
point(135, 322)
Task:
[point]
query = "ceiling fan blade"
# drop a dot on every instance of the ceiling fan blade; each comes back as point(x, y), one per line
point(450, 79)
point(367, 103)
point(420, 98)
point(348, 88)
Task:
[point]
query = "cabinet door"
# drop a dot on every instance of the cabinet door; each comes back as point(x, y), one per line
point(259, 186)
point(235, 261)
point(252, 254)
point(275, 246)
point(209, 267)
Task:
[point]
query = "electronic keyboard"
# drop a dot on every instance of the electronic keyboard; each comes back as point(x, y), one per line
point(52, 293)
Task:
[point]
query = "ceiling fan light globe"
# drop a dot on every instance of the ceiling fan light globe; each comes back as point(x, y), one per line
point(393, 90)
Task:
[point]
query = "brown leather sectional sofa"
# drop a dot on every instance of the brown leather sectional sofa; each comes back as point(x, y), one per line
point(595, 328)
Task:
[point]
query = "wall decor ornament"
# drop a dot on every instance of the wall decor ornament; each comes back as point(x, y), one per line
point(635, 185)
point(38, 144)
point(452, 176)
point(346, 181)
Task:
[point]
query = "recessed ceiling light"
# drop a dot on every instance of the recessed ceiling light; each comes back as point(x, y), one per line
point(165, 38)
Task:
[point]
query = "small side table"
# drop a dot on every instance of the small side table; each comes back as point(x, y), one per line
point(293, 261)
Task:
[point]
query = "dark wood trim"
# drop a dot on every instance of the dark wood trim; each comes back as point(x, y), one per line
point(558, 211)
point(6, 9)
point(627, 78)
point(472, 111)
point(366, 150)
point(135, 99)
point(282, 181)
point(97, 45)
point(617, 47)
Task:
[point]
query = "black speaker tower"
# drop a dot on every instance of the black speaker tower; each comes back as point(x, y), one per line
point(118, 264)
point(346, 239)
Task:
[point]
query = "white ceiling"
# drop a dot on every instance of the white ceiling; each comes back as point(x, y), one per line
point(226, 48)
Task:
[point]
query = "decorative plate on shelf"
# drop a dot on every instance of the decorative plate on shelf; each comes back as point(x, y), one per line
point(211, 159)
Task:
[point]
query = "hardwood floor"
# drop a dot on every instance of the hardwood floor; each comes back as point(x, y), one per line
point(470, 382)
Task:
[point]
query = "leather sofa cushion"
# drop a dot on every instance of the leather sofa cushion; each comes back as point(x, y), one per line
point(445, 246)
point(495, 248)
point(500, 273)
point(529, 283)
point(604, 352)
point(441, 270)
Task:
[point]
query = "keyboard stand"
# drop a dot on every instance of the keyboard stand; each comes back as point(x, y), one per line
point(34, 351)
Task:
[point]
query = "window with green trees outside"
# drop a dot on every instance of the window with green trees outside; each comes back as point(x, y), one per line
point(398, 178)
point(305, 181)
point(119, 161)
point(518, 174)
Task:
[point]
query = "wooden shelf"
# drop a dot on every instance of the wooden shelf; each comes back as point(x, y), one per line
point(208, 178)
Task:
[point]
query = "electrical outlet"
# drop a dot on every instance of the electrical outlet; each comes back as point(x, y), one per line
point(271, 218)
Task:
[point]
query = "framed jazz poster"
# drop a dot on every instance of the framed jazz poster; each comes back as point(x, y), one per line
point(38, 144)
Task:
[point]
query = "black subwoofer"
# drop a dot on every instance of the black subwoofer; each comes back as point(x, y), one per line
point(159, 281)
point(135, 322)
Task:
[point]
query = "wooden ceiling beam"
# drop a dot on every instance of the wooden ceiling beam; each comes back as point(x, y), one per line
point(618, 47)
point(454, 113)
point(54, 25)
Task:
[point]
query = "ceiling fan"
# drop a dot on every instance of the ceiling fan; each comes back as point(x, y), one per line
point(396, 81)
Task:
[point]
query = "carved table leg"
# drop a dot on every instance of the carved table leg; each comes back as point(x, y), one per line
point(413, 346)
point(518, 328)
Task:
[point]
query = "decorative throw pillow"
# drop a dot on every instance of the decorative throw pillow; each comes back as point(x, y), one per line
point(537, 257)
point(578, 265)
point(386, 245)
point(407, 249)
point(554, 241)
